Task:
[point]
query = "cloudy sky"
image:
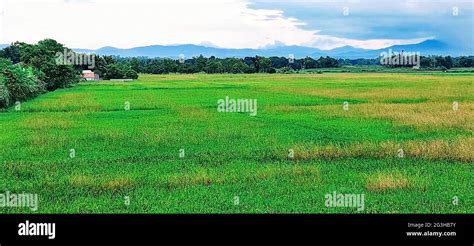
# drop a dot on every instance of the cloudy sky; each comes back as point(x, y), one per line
point(324, 24)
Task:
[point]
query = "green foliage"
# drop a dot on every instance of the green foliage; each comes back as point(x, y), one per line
point(42, 57)
point(209, 65)
point(11, 52)
point(35, 70)
point(286, 70)
point(120, 71)
point(17, 83)
point(263, 64)
point(213, 66)
point(259, 64)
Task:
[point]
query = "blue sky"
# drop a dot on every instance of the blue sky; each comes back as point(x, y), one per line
point(323, 24)
point(383, 19)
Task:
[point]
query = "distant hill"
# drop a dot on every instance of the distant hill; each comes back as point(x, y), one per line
point(428, 47)
point(190, 50)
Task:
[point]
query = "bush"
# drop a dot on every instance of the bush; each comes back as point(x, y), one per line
point(17, 83)
point(131, 74)
point(286, 70)
point(120, 71)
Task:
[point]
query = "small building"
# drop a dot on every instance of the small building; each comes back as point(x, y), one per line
point(89, 75)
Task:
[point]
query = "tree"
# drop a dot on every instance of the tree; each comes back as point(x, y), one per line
point(135, 64)
point(17, 83)
point(169, 65)
point(310, 63)
point(120, 71)
point(327, 61)
point(448, 62)
point(213, 66)
point(466, 61)
point(238, 66)
point(201, 63)
point(42, 57)
point(425, 61)
point(439, 61)
point(297, 64)
point(264, 64)
point(233, 65)
point(279, 62)
point(11, 52)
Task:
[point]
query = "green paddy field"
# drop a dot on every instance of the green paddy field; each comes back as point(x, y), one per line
point(159, 145)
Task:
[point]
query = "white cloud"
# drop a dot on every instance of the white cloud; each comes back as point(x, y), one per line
point(328, 42)
point(121, 23)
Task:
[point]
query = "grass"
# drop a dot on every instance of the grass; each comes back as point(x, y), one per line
point(134, 155)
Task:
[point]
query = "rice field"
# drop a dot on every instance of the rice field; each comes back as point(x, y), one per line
point(160, 145)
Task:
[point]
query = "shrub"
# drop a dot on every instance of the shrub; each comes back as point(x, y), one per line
point(120, 71)
point(285, 70)
point(131, 74)
point(17, 83)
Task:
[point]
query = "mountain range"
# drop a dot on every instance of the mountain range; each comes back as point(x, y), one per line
point(428, 47)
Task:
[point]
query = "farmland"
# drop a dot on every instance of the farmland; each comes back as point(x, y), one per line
point(159, 144)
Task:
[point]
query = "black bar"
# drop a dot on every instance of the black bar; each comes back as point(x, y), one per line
point(299, 229)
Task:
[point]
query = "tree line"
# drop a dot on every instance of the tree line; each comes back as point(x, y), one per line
point(257, 64)
point(432, 62)
point(212, 65)
point(27, 70)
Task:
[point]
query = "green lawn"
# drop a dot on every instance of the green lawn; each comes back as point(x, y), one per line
point(134, 155)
